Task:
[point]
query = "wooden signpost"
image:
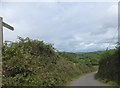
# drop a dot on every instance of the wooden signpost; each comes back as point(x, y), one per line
point(3, 24)
point(119, 22)
point(118, 39)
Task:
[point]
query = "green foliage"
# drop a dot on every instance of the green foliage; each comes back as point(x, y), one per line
point(109, 66)
point(30, 62)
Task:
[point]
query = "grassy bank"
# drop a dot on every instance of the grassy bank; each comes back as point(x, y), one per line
point(34, 63)
point(109, 82)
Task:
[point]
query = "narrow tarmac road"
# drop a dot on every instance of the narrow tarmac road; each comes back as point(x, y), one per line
point(87, 80)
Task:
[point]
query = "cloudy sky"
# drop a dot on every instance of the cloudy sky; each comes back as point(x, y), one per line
point(70, 26)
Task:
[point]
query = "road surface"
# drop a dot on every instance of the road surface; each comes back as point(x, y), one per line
point(87, 80)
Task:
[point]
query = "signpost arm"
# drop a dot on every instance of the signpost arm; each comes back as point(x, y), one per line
point(7, 26)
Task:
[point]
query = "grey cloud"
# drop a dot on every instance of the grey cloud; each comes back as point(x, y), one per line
point(70, 26)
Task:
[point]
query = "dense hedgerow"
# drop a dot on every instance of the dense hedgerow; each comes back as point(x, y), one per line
point(109, 66)
point(34, 63)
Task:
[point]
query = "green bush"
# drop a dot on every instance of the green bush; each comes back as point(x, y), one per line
point(30, 62)
point(109, 66)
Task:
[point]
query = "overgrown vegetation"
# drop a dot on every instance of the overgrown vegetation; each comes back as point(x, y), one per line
point(30, 62)
point(109, 66)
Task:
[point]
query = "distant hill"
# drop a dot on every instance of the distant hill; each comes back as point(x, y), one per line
point(94, 57)
point(90, 54)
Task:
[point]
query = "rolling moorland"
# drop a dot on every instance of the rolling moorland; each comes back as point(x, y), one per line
point(30, 62)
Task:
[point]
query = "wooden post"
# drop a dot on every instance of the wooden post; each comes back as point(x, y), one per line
point(1, 38)
point(119, 22)
point(2, 24)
